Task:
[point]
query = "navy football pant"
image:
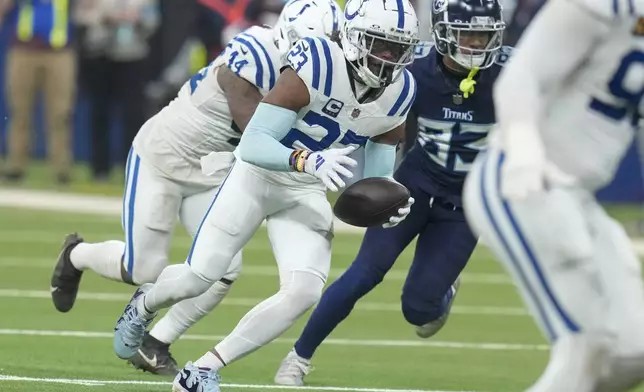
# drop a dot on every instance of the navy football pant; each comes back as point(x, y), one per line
point(444, 246)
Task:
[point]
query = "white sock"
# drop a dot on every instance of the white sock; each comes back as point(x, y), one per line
point(210, 361)
point(143, 310)
point(187, 313)
point(104, 258)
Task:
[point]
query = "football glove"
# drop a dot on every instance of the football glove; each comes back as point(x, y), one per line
point(526, 170)
point(326, 165)
point(402, 214)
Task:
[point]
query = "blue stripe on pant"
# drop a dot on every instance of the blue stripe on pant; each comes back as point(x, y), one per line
point(194, 241)
point(129, 199)
point(127, 182)
point(524, 259)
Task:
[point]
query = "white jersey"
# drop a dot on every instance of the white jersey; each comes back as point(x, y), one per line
point(198, 120)
point(334, 118)
point(586, 122)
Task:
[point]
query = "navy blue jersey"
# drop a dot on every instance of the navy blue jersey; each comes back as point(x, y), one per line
point(452, 129)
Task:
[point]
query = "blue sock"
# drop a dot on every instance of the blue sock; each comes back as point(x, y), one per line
point(336, 304)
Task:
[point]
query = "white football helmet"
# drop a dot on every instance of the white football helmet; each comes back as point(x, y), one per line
point(306, 18)
point(379, 39)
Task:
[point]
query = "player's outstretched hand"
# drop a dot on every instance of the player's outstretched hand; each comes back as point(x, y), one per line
point(329, 165)
point(402, 214)
point(522, 178)
point(530, 173)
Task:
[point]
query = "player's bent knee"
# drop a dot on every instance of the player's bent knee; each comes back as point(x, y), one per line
point(304, 290)
point(191, 284)
point(365, 275)
point(421, 305)
point(231, 276)
point(214, 266)
point(421, 315)
point(148, 270)
point(234, 270)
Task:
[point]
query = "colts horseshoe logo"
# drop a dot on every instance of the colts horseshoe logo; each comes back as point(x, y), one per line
point(349, 13)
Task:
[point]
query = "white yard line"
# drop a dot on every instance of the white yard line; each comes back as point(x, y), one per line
point(260, 270)
point(6, 378)
point(248, 302)
point(111, 206)
point(88, 204)
point(331, 342)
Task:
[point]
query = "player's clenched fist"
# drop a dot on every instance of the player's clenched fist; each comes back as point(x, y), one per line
point(326, 165)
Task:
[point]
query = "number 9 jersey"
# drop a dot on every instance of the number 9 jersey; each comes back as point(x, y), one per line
point(334, 117)
point(198, 121)
point(587, 122)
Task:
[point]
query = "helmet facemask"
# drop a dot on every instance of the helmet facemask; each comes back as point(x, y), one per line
point(471, 45)
point(382, 57)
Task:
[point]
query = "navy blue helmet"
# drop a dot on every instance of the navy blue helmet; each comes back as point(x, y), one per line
point(468, 31)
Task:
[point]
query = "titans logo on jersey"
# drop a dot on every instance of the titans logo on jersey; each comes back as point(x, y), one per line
point(452, 129)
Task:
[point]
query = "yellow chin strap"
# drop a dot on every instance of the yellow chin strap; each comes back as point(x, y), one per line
point(467, 84)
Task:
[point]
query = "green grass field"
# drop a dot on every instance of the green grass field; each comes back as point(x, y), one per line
point(489, 344)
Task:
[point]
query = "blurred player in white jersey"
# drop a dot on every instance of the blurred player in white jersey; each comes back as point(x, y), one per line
point(330, 99)
point(165, 178)
point(567, 103)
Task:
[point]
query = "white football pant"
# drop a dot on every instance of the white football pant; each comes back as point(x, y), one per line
point(575, 269)
point(151, 205)
point(299, 222)
point(300, 228)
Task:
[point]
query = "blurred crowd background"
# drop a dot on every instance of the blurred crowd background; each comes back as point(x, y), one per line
point(79, 77)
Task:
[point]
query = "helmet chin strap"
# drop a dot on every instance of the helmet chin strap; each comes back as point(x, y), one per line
point(361, 91)
point(355, 75)
point(357, 84)
point(364, 70)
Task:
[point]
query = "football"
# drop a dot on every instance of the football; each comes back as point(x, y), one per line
point(370, 202)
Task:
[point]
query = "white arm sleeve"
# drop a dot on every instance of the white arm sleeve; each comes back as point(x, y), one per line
point(560, 38)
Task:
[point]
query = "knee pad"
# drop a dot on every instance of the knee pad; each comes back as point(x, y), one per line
point(192, 285)
point(302, 290)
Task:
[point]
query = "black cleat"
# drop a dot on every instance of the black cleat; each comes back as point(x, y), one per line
point(155, 357)
point(66, 278)
point(14, 176)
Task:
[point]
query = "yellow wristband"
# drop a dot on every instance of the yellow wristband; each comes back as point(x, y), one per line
point(298, 160)
point(301, 161)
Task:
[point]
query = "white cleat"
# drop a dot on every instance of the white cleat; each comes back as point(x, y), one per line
point(430, 329)
point(292, 370)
